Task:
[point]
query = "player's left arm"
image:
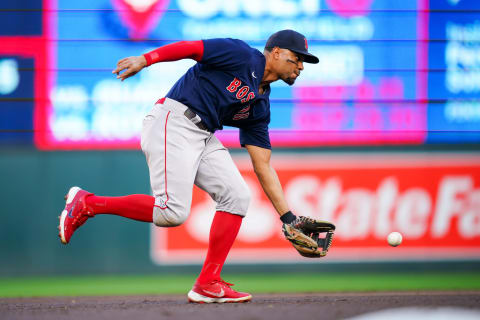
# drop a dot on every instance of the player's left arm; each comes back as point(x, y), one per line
point(268, 177)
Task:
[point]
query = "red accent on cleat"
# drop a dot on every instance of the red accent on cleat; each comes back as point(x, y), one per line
point(217, 291)
point(75, 213)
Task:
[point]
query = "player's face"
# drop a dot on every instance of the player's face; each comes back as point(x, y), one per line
point(291, 64)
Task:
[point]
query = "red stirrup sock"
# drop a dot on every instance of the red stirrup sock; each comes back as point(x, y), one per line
point(224, 230)
point(136, 206)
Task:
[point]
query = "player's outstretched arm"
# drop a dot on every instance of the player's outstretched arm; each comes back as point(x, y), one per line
point(312, 238)
point(268, 177)
point(130, 67)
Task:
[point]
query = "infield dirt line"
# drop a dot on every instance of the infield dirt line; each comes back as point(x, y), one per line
point(276, 306)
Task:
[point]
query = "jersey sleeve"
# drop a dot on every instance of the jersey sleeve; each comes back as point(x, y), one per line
point(227, 54)
point(255, 136)
point(176, 51)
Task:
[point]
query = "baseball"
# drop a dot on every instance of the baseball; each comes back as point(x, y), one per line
point(394, 239)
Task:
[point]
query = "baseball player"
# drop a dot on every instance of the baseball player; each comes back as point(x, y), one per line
point(229, 85)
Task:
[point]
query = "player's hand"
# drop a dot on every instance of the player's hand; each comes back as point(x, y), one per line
point(130, 67)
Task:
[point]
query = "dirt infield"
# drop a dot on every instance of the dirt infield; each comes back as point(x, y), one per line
point(277, 306)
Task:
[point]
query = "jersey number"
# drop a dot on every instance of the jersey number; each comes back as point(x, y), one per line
point(242, 114)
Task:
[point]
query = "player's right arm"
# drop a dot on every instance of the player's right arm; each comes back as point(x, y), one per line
point(130, 66)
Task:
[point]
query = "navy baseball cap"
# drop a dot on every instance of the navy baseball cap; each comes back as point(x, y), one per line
point(293, 41)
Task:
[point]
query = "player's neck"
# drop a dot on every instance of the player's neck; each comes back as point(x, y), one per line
point(269, 75)
point(264, 85)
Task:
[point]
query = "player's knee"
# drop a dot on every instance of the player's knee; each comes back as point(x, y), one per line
point(237, 200)
point(244, 201)
point(168, 217)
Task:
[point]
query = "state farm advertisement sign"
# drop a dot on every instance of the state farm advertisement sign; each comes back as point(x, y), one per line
point(432, 199)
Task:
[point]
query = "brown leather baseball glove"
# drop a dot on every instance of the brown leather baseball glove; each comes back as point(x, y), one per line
point(312, 238)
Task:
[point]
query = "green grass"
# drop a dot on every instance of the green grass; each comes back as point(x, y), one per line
point(256, 283)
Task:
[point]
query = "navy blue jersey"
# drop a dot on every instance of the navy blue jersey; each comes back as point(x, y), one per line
point(223, 90)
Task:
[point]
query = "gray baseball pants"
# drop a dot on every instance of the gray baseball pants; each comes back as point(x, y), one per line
point(179, 155)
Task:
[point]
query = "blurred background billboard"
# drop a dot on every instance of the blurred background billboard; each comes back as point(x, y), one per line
point(389, 72)
point(433, 202)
